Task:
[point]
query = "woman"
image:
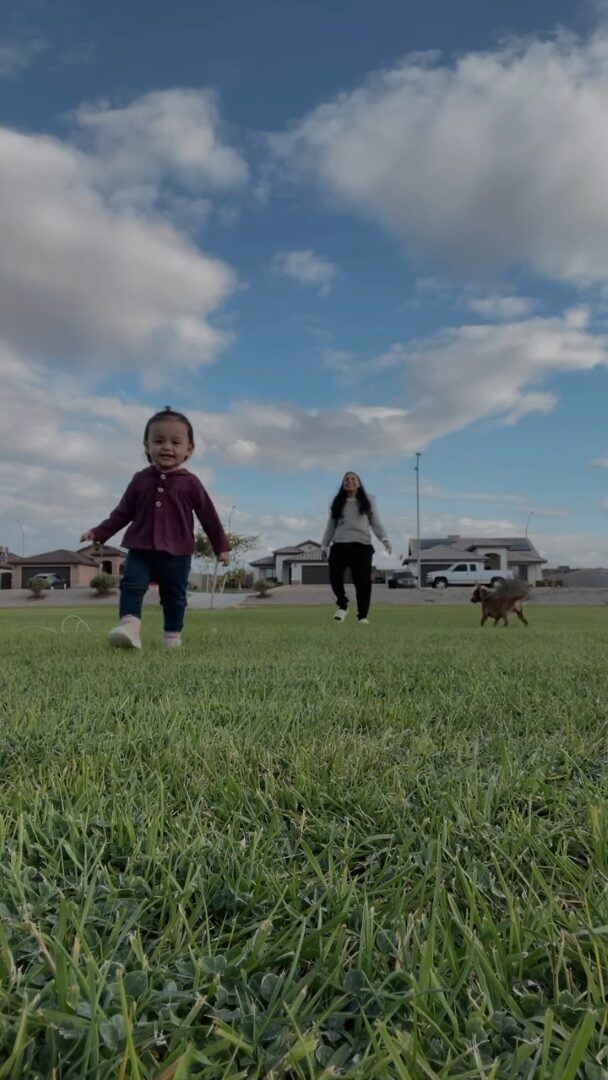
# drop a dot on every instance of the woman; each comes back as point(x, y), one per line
point(352, 518)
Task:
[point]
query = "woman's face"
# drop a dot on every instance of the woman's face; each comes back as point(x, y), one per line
point(351, 483)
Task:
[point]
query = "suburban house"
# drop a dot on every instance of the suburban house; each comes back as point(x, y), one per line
point(110, 560)
point(8, 561)
point(75, 568)
point(514, 553)
point(302, 564)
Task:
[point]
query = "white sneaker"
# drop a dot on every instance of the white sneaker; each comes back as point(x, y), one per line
point(170, 641)
point(125, 636)
point(363, 622)
point(341, 614)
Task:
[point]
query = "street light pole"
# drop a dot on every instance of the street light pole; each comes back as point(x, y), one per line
point(417, 471)
point(232, 508)
point(16, 520)
point(528, 522)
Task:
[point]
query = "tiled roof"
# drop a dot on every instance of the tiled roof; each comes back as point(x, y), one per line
point(307, 556)
point(520, 548)
point(441, 551)
point(268, 560)
point(59, 557)
point(297, 547)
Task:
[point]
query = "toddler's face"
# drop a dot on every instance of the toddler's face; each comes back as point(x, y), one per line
point(169, 444)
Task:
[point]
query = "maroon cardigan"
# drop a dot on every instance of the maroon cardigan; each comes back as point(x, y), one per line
point(158, 508)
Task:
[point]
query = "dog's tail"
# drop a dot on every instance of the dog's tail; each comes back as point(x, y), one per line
point(514, 587)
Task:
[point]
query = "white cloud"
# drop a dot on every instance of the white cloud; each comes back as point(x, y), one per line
point(18, 54)
point(578, 549)
point(82, 281)
point(75, 441)
point(601, 462)
point(66, 456)
point(342, 361)
point(480, 371)
point(473, 372)
point(497, 159)
point(165, 135)
point(502, 307)
point(307, 268)
point(522, 502)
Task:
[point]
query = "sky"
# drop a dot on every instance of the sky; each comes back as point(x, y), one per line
point(333, 233)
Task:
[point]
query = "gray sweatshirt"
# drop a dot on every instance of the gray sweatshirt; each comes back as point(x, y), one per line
point(354, 527)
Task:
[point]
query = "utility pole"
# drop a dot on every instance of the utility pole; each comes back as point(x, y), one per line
point(528, 522)
point(417, 471)
point(17, 522)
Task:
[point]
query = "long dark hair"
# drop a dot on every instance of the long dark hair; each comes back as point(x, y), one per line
point(167, 414)
point(337, 506)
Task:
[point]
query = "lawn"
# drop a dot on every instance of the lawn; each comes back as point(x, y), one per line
point(298, 849)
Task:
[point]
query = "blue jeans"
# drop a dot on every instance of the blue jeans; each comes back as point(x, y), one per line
point(170, 571)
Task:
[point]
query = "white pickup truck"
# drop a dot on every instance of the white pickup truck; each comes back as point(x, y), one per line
point(466, 573)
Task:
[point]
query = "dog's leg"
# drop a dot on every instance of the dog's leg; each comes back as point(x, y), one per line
point(483, 618)
point(522, 618)
point(505, 621)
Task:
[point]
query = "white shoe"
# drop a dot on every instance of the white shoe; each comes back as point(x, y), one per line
point(341, 614)
point(125, 637)
point(363, 622)
point(170, 641)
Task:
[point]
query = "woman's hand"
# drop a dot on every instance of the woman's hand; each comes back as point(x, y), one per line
point(225, 558)
point(88, 535)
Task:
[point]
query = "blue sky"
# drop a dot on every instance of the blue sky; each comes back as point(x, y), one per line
point(334, 234)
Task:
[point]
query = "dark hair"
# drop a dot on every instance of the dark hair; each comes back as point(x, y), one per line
point(337, 506)
point(167, 414)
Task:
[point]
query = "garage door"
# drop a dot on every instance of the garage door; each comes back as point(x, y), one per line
point(315, 575)
point(62, 572)
point(319, 575)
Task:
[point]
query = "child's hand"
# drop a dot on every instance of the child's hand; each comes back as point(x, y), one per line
point(225, 558)
point(88, 535)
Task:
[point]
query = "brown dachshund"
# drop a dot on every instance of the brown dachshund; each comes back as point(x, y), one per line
point(498, 606)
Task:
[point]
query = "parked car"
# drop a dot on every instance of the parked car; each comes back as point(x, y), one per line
point(469, 573)
point(402, 579)
point(52, 580)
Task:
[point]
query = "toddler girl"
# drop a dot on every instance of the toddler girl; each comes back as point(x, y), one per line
point(158, 506)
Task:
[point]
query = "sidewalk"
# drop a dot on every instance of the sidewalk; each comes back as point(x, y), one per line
point(19, 598)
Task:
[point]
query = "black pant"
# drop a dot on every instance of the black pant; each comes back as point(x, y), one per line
point(170, 571)
point(359, 558)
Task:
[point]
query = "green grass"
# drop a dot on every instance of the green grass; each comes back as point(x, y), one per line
point(305, 850)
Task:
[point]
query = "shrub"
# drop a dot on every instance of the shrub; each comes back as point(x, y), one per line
point(262, 589)
point(104, 584)
point(38, 587)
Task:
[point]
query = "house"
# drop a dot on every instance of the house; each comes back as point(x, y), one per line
point(72, 567)
point(8, 560)
point(300, 564)
point(110, 560)
point(514, 553)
